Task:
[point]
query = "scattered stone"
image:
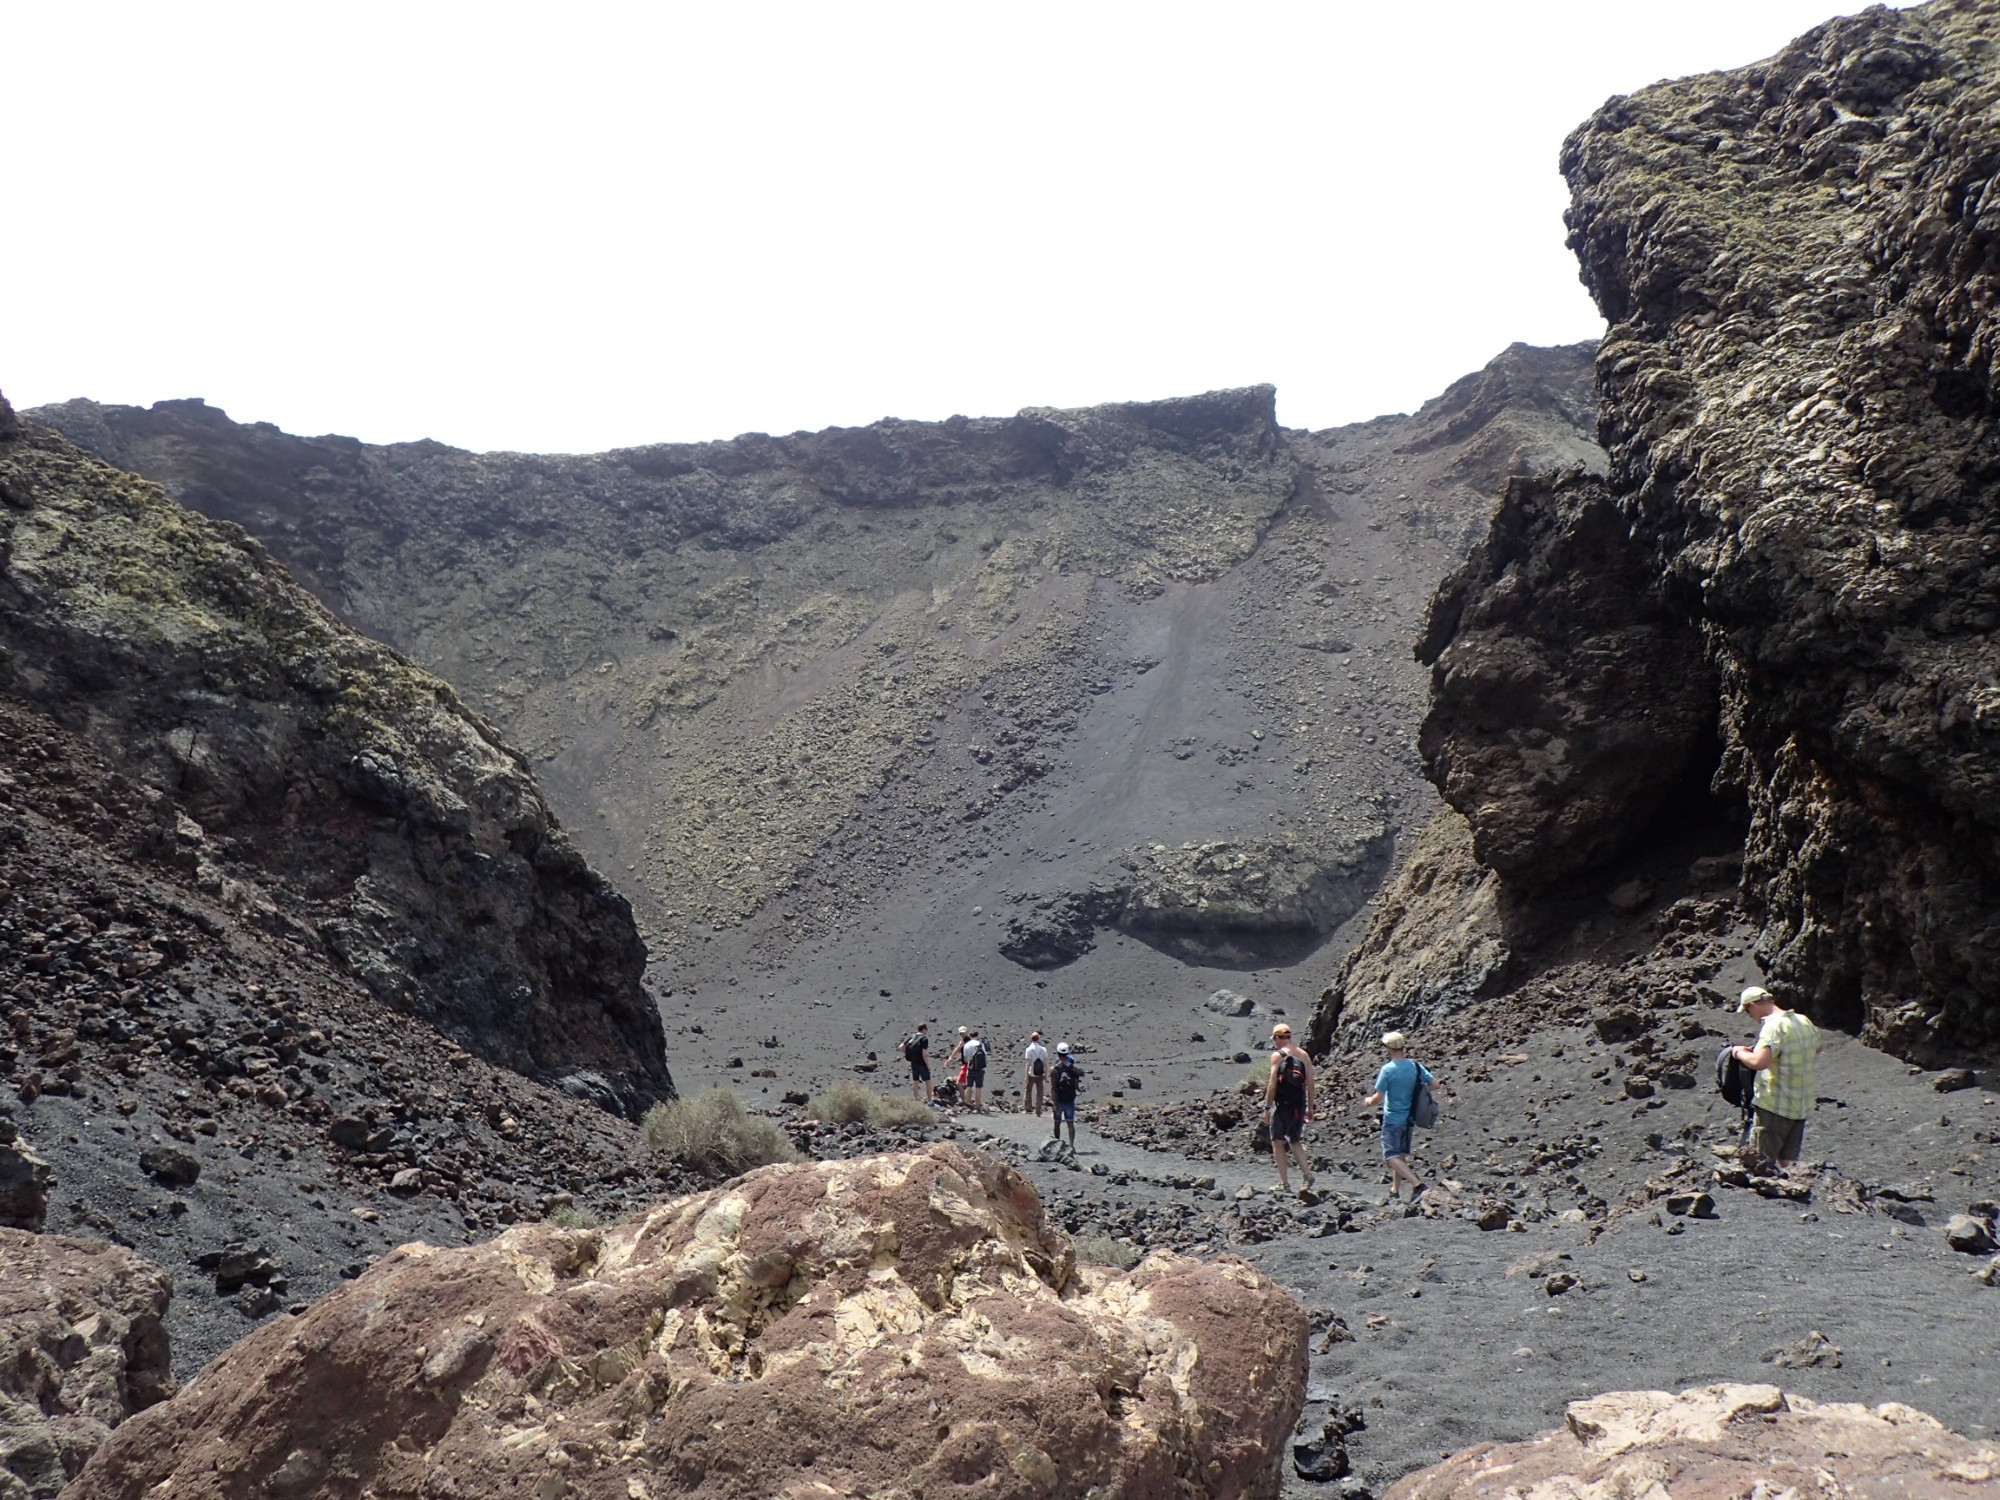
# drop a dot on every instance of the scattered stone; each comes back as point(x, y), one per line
point(170, 1166)
point(1242, 1057)
point(1229, 1003)
point(1562, 1281)
point(1620, 1024)
point(1691, 1205)
point(1951, 1080)
point(1969, 1235)
point(1632, 896)
point(407, 1183)
point(1323, 1459)
point(1493, 1214)
point(1637, 1086)
point(1813, 1352)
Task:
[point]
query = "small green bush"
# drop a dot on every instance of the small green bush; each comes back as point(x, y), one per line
point(711, 1133)
point(847, 1102)
point(1103, 1250)
point(843, 1104)
point(568, 1216)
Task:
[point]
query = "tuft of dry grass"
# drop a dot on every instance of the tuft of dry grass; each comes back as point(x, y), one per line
point(847, 1102)
point(1103, 1250)
point(713, 1134)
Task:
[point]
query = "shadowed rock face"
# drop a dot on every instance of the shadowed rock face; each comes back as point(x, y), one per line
point(1797, 401)
point(888, 1325)
point(1720, 1440)
point(1566, 698)
point(315, 783)
point(82, 1347)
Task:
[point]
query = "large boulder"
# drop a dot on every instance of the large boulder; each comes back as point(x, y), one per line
point(1720, 1440)
point(82, 1347)
point(892, 1326)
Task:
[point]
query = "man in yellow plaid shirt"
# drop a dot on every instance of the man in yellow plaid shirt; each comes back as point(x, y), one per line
point(1784, 1059)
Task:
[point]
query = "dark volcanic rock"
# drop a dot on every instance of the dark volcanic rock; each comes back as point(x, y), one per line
point(1787, 577)
point(312, 781)
point(24, 1186)
point(1566, 698)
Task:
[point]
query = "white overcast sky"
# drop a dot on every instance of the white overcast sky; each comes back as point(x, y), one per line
point(572, 227)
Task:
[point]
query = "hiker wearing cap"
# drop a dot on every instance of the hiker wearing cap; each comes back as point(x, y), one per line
point(1063, 1084)
point(1288, 1095)
point(1035, 1068)
point(1784, 1057)
point(1396, 1091)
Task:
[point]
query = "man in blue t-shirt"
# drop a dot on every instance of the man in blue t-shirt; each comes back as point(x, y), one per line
point(1396, 1091)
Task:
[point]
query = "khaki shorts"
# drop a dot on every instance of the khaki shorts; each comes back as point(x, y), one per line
point(1777, 1137)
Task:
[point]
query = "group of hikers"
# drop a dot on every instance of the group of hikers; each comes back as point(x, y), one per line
point(1782, 1061)
point(1048, 1080)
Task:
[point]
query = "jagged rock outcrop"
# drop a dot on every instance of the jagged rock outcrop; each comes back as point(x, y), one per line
point(82, 1347)
point(24, 1182)
point(892, 1326)
point(312, 782)
point(1436, 943)
point(1221, 902)
point(1566, 699)
point(1797, 399)
point(1720, 1440)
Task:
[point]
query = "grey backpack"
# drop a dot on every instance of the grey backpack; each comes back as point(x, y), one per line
point(1423, 1103)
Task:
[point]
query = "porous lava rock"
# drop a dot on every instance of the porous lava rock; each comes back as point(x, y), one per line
point(1566, 698)
point(1720, 1440)
point(310, 780)
point(24, 1182)
point(1796, 396)
point(82, 1347)
point(893, 1325)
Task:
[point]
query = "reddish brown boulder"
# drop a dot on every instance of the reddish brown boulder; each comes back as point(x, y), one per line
point(890, 1326)
point(1720, 1442)
point(82, 1347)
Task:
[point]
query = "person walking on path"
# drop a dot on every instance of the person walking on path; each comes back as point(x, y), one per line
point(975, 1066)
point(1063, 1085)
point(1035, 1068)
point(1396, 1090)
point(1785, 1059)
point(1288, 1095)
point(916, 1052)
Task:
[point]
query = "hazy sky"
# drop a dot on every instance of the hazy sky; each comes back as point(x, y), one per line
point(588, 225)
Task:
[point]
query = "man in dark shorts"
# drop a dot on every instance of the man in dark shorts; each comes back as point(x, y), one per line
point(916, 1052)
point(1063, 1084)
point(1288, 1093)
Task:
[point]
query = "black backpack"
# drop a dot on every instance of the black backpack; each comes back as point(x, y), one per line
point(1291, 1081)
point(1067, 1077)
point(911, 1048)
point(1039, 1067)
point(1732, 1080)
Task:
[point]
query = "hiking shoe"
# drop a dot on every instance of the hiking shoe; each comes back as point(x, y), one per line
point(1309, 1182)
point(1418, 1191)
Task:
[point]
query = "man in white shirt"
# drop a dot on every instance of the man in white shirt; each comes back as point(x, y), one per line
point(1035, 1066)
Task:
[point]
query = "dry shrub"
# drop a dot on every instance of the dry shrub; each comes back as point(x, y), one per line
point(1103, 1250)
point(713, 1134)
point(847, 1102)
